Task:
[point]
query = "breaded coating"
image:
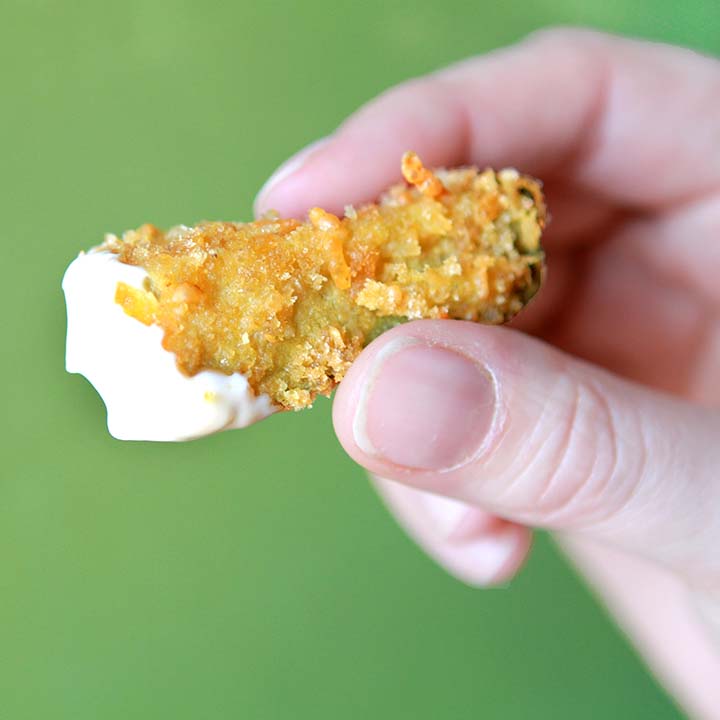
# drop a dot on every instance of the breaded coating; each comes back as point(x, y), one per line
point(291, 304)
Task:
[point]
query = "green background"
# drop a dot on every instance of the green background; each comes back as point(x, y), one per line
point(253, 574)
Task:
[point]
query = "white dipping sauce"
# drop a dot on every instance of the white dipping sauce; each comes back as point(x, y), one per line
point(146, 396)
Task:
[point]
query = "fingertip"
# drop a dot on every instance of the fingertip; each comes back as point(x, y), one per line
point(362, 158)
point(512, 548)
point(487, 561)
point(332, 174)
point(475, 547)
point(287, 190)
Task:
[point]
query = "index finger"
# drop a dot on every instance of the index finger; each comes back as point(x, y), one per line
point(634, 123)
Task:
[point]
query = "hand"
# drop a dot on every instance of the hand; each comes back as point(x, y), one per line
point(605, 426)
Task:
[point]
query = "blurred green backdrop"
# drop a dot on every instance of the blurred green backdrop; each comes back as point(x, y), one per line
point(253, 574)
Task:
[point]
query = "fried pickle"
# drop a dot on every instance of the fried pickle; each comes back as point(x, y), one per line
point(291, 304)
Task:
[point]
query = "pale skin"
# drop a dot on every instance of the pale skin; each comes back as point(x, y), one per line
point(597, 413)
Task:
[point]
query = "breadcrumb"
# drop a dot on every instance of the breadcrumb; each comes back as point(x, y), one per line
point(291, 304)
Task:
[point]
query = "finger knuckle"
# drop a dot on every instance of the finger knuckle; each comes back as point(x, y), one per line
point(574, 472)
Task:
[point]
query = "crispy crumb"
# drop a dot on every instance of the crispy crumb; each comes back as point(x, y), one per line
point(291, 304)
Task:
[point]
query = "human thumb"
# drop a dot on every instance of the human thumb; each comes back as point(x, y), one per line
point(502, 421)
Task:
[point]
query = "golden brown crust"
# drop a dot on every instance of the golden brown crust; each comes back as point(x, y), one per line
point(291, 304)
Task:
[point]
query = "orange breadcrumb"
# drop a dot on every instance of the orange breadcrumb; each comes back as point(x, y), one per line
point(291, 304)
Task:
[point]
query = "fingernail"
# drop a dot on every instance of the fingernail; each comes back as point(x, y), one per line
point(425, 407)
point(444, 514)
point(490, 557)
point(288, 168)
point(457, 522)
